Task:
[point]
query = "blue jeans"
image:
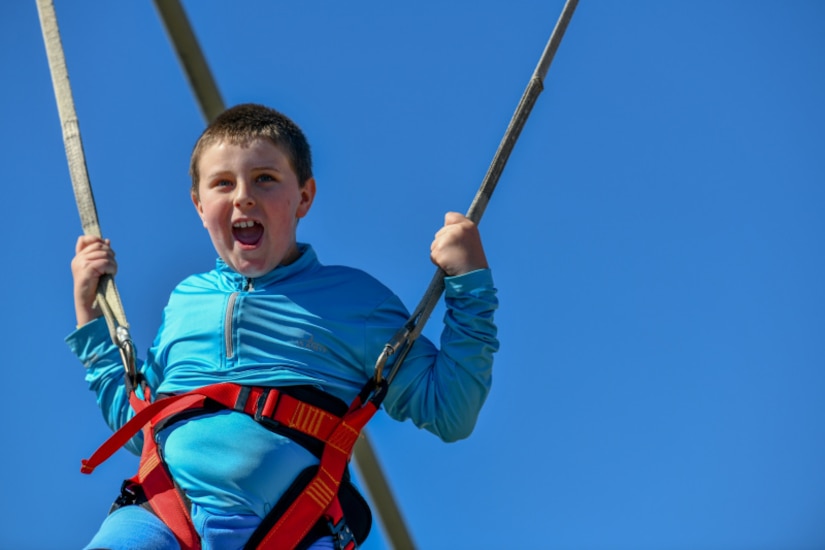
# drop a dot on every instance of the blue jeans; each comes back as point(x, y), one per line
point(135, 528)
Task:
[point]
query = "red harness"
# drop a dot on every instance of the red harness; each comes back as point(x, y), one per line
point(269, 406)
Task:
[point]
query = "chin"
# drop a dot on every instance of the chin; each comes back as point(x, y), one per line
point(253, 273)
point(248, 269)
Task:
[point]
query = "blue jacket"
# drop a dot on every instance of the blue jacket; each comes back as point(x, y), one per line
point(304, 323)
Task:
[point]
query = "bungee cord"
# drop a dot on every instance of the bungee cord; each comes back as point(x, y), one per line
point(108, 298)
point(195, 68)
point(402, 341)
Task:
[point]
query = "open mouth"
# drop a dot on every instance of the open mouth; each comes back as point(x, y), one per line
point(247, 232)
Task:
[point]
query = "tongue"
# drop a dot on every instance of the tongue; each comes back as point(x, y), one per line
point(248, 235)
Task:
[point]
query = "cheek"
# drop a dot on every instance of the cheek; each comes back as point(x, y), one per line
point(211, 218)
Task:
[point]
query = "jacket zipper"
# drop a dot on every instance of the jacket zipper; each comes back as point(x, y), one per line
point(228, 316)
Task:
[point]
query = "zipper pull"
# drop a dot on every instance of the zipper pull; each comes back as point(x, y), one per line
point(249, 286)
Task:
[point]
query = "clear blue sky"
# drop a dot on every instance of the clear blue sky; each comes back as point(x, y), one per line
point(658, 241)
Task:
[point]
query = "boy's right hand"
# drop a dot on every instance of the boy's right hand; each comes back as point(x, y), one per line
point(93, 258)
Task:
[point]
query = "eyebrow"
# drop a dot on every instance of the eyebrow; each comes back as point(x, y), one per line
point(263, 168)
point(217, 174)
point(267, 167)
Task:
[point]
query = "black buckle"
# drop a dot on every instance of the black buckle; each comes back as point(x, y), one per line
point(243, 397)
point(341, 534)
point(259, 407)
point(373, 392)
point(130, 494)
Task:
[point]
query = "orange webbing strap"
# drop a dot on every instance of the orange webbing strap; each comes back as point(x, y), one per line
point(165, 407)
point(167, 502)
point(164, 498)
point(262, 403)
point(320, 494)
point(338, 434)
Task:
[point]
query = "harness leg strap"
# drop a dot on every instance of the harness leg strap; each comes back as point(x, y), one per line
point(322, 490)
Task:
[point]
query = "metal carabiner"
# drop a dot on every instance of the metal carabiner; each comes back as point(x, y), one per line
point(127, 352)
point(400, 338)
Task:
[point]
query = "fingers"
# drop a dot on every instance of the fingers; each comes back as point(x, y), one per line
point(90, 248)
point(457, 247)
point(451, 218)
point(458, 230)
point(94, 258)
point(90, 242)
point(455, 227)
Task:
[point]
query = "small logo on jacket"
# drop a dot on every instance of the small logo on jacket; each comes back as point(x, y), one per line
point(311, 344)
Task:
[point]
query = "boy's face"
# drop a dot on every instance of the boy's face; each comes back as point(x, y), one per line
point(250, 202)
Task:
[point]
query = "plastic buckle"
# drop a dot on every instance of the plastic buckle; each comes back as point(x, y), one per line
point(373, 392)
point(261, 405)
point(342, 536)
point(130, 493)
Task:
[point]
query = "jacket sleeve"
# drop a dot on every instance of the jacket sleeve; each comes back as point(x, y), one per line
point(443, 390)
point(104, 374)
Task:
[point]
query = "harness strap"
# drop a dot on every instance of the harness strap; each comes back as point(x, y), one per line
point(147, 412)
point(268, 406)
point(322, 490)
point(166, 501)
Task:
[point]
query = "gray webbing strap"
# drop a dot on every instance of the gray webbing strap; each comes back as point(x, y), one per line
point(404, 338)
point(108, 298)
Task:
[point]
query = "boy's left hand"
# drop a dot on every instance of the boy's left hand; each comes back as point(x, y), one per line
point(457, 246)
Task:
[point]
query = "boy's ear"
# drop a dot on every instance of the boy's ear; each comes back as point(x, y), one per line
point(196, 201)
point(307, 196)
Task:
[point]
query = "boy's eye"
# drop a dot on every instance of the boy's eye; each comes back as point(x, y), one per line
point(265, 177)
point(223, 183)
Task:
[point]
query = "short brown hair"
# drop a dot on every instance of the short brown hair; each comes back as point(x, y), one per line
point(248, 121)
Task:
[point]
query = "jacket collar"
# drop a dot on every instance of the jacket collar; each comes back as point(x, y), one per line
point(306, 261)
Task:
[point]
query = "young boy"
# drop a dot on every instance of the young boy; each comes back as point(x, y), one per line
point(271, 315)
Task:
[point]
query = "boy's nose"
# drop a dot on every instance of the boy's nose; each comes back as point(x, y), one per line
point(243, 195)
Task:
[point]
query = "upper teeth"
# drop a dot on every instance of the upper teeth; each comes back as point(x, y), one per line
point(243, 224)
